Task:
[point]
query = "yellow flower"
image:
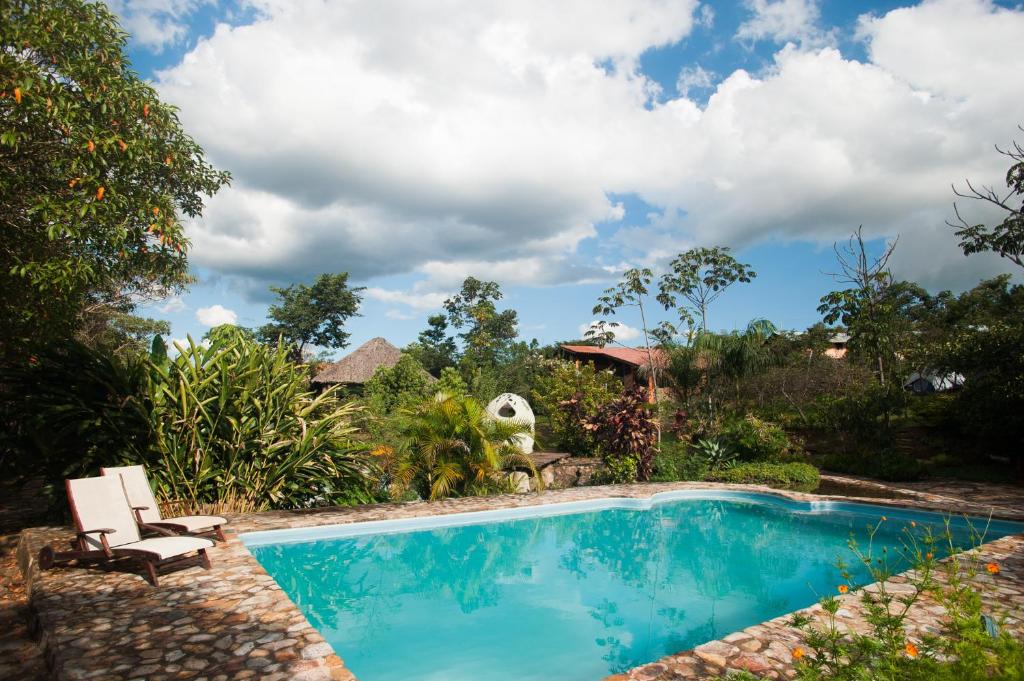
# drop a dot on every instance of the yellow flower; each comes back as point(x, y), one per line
point(913, 524)
point(884, 518)
point(17, 95)
point(928, 556)
point(843, 588)
point(992, 568)
point(798, 653)
point(911, 650)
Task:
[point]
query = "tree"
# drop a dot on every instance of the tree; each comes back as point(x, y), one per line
point(630, 292)
point(875, 307)
point(403, 385)
point(488, 333)
point(1006, 238)
point(95, 173)
point(312, 315)
point(701, 275)
point(435, 349)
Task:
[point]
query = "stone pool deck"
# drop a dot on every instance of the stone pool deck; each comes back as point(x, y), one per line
point(235, 622)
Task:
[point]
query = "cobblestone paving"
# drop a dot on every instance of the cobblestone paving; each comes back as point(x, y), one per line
point(20, 657)
point(234, 622)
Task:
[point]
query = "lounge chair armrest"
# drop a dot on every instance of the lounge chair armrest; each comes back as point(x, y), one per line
point(159, 530)
point(137, 510)
point(103, 532)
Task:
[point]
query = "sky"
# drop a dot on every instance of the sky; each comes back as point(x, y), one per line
point(550, 146)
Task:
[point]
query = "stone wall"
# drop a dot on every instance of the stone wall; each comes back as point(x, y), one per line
point(575, 471)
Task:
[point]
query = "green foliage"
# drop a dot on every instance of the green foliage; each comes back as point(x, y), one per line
point(713, 453)
point(991, 403)
point(875, 308)
point(883, 463)
point(452, 448)
point(567, 396)
point(793, 475)
point(312, 315)
point(236, 427)
point(73, 409)
point(434, 348)
point(632, 291)
point(488, 333)
point(402, 386)
point(755, 439)
point(95, 172)
point(859, 415)
point(678, 461)
point(1006, 238)
point(959, 647)
point(229, 333)
point(451, 383)
point(700, 276)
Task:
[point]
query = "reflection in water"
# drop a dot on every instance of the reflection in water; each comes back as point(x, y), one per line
point(587, 595)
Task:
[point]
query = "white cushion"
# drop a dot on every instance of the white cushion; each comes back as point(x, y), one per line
point(193, 523)
point(100, 503)
point(168, 547)
point(137, 489)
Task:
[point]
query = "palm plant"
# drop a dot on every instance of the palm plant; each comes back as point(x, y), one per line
point(453, 448)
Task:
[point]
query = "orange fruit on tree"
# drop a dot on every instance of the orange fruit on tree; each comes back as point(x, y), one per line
point(91, 146)
point(17, 95)
point(100, 192)
point(121, 144)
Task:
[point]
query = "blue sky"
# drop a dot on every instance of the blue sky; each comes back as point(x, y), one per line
point(549, 146)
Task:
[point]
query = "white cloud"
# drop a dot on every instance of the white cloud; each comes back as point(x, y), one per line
point(781, 21)
point(623, 332)
point(215, 315)
point(156, 24)
point(488, 138)
point(172, 305)
point(706, 16)
point(397, 314)
point(691, 77)
point(429, 300)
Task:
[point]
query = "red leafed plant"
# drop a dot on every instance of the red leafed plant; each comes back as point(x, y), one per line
point(627, 429)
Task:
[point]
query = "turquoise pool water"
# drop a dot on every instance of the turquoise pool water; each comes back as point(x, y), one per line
point(577, 593)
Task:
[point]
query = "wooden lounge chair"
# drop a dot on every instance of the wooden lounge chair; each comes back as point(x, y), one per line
point(107, 531)
point(147, 511)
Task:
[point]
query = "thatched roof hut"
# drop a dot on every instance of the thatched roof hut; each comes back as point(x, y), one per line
point(358, 366)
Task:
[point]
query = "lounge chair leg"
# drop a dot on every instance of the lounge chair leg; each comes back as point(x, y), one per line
point(204, 559)
point(219, 532)
point(151, 572)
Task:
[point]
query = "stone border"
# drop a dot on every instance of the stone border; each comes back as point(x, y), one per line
point(235, 622)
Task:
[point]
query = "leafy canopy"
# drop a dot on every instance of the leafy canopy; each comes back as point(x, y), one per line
point(488, 332)
point(95, 171)
point(312, 315)
point(1007, 237)
point(700, 276)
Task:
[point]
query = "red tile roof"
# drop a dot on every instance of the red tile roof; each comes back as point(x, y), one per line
point(632, 356)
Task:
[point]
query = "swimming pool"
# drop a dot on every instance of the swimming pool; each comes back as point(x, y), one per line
point(573, 591)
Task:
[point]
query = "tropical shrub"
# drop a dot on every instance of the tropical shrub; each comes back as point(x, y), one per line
point(450, 382)
point(794, 475)
point(566, 396)
point(453, 448)
point(755, 439)
point(628, 434)
point(236, 428)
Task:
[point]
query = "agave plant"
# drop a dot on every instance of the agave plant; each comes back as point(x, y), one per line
point(713, 453)
point(453, 448)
